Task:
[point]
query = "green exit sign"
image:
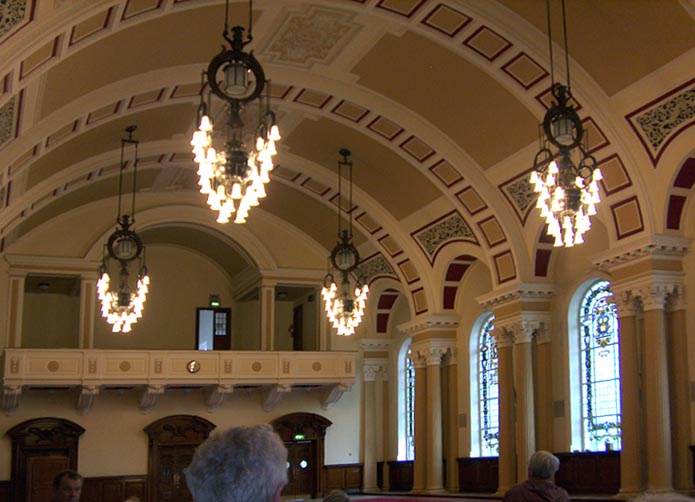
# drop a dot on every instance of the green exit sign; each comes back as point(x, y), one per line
point(298, 437)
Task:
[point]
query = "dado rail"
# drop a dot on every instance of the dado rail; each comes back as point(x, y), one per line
point(155, 371)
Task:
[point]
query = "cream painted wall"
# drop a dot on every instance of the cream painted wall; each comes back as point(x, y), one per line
point(182, 280)
point(58, 324)
point(114, 443)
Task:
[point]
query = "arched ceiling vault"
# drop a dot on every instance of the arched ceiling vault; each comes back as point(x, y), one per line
point(438, 100)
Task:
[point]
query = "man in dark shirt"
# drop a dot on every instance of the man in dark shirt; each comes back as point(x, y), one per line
point(67, 486)
point(539, 487)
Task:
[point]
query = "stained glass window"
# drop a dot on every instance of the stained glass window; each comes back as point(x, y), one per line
point(409, 408)
point(488, 391)
point(600, 367)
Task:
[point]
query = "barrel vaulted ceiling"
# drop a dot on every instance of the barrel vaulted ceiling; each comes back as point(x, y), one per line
point(439, 101)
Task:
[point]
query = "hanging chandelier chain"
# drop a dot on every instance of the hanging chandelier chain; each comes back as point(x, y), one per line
point(550, 46)
point(567, 50)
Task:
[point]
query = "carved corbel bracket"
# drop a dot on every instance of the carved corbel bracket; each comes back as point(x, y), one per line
point(334, 394)
point(216, 396)
point(149, 397)
point(85, 400)
point(273, 394)
point(10, 398)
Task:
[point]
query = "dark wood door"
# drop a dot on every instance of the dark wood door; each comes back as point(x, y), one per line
point(40, 473)
point(302, 469)
point(170, 481)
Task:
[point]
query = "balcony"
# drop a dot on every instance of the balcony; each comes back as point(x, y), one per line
point(152, 372)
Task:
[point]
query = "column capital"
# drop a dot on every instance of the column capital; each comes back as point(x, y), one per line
point(677, 300)
point(374, 366)
point(627, 302)
point(524, 326)
point(431, 351)
point(655, 296)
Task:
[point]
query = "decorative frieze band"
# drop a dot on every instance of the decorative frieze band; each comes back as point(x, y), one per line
point(661, 246)
point(516, 292)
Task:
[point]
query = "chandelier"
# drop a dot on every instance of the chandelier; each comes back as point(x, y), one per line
point(233, 175)
point(565, 175)
point(344, 302)
point(123, 306)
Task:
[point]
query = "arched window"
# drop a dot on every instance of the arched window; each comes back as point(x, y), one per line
point(484, 390)
point(599, 353)
point(409, 408)
point(406, 403)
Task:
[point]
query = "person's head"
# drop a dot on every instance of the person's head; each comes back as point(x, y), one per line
point(336, 496)
point(543, 465)
point(67, 486)
point(241, 464)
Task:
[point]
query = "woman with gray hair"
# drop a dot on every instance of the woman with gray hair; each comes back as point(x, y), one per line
point(241, 464)
point(539, 487)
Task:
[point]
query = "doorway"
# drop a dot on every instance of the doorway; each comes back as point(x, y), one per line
point(302, 468)
point(173, 441)
point(303, 435)
point(41, 448)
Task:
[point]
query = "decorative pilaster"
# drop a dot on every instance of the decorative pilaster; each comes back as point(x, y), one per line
point(15, 309)
point(88, 298)
point(434, 419)
point(677, 350)
point(369, 422)
point(656, 391)
point(525, 426)
point(451, 421)
point(543, 395)
point(505, 374)
point(420, 464)
point(631, 458)
point(267, 313)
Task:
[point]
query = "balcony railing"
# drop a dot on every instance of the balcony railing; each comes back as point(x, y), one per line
point(155, 371)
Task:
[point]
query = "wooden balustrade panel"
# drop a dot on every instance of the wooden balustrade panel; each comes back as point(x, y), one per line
point(478, 474)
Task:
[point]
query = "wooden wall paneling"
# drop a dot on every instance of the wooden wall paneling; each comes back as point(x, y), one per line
point(114, 488)
point(347, 477)
point(478, 474)
point(589, 472)
point(400, 475)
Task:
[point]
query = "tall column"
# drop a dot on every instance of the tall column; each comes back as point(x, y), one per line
point(505, 374)
point(267, 313)
point(15, 310)
point(382, 422)
point(679, 392)
point(656, 391)
point(88, 298)
point(451, 421)
point(369, 406)
point(419, 469)
point(523, 387)
point(631, 455)
point(543, 389)
point(434, 420)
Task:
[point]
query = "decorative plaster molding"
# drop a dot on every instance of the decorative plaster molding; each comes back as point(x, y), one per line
point(32, 263)
point(431, 352)
point(216, 396)
point(627, 303)
point(85, 400)
point(375, 344)
point(149, 397)
point(273, 394)
point(677, 300)
point(662, 246)
point(430, 322)
point(10, 398)
point(504, 339)
point(515, 292)
point(373, 366)
point(334, 394)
